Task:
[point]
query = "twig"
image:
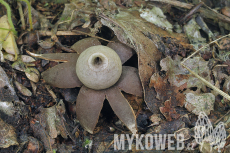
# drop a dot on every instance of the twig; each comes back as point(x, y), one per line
point(29, 13)
point(59, 33)
point(191, 12)
point(204, 47)
point(219, 66)
point(175, 3)
point(21, 16)
point(91, 35)
point(202, 79)
point(69, 19)
point(55, 39)
point(208, 83)
point(51, 93)
point(205, 12)
point(111, 144)
point(222, 117)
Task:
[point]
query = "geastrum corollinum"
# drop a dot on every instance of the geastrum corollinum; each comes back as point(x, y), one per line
point(99, 72)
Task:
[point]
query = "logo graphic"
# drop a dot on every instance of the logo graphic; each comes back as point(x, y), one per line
point(204, 132)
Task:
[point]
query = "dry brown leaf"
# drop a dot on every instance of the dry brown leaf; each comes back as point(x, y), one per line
point(8, 136)
point(40, 132)
point(168, 111)
point(180, 77)
point(7, 91)
point(167, 91)
point(145, 38)
point(50, 118)
point(197, 103)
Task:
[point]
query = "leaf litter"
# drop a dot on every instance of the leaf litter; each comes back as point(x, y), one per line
point(172, 93)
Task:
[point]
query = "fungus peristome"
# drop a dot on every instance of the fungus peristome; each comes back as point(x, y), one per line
point(98, 67)
point(90, 99)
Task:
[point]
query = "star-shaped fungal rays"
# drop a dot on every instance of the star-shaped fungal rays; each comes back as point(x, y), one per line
point(90, 101)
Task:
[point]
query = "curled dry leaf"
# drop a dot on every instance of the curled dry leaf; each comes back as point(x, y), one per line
point(22, 89)
point(9, 44)
point(185, 132)
point(8, 136)
point(32, 74)
point(146, 39)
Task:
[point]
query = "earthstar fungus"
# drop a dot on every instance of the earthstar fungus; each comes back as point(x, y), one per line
point(96, 62)
point(98, 67)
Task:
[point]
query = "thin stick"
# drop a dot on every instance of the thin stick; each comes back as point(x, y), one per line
point(51, 92)
point(110, 144)
point(202, 79)
point(208, 83)
point(205, 12)
point(175, 3)
point(222, 117)
point(203, 47)
point(69, 19)
point(29, 14)
point(21, 16)
point(91, 35)
point(59, 33)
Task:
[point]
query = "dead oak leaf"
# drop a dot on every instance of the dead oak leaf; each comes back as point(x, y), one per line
point(180, 77)
point(167, 91)
point(168, 111)
point(145, 38)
